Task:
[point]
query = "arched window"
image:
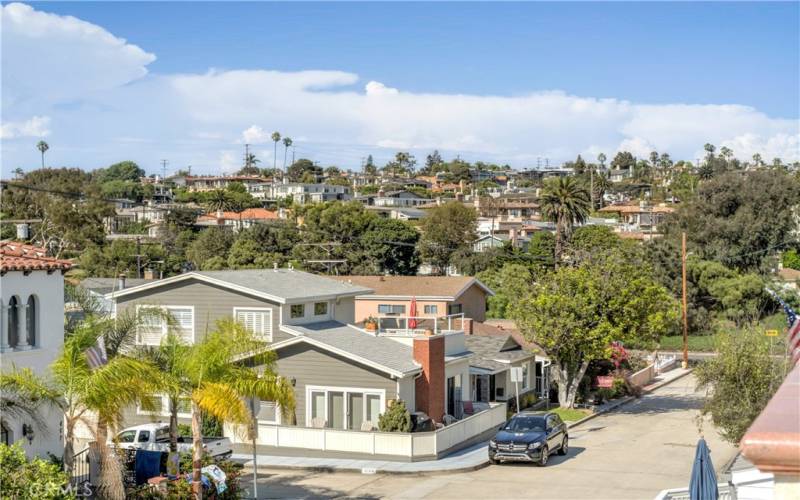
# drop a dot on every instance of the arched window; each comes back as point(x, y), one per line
point(13, 321)
point(32, 322)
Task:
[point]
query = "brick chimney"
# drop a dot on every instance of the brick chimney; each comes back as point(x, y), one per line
point(429, 387)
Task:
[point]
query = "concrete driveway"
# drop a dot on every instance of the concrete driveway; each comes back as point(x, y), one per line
point(633, 452)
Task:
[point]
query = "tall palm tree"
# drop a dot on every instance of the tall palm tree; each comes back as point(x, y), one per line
point(287, 142)
point(211, 375)
point(565, 202)
point(601, 184)
point(42, 147)
point(276, 137)
point(104, 392)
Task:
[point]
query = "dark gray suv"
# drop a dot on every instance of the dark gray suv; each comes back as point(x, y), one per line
point(529, 437)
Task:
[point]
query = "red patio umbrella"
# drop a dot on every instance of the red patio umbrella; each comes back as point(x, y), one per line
point(412, 320)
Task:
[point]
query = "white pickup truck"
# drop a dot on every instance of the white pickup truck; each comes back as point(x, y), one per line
point(156, 437)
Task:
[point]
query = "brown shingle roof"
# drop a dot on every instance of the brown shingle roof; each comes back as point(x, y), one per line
point(15, 256)
point(503, 328)
point(414, 286)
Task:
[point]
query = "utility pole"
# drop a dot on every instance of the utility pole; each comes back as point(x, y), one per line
point(685, 362)
point(292, 153)
point(246, 155)
point(164, 168)
point(591, 183)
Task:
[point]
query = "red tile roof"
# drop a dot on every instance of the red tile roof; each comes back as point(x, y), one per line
point(16, 256)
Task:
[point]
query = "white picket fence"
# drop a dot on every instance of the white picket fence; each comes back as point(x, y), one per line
point(400, 444)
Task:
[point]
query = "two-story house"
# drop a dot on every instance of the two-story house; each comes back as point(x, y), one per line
point(343, 375)
point(435, 296)
point(31, 334)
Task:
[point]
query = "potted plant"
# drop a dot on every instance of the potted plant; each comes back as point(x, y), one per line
point(371, 324)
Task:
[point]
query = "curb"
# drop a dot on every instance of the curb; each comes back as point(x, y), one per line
point(628, 399)
point(332, 470)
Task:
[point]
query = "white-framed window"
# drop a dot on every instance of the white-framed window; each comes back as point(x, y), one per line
point(525, 374)
point(391, 309)
point(344, 407)
point(257, 320)
point(269, 413)
point(431, 309)
point(154, 327)
point(320, 308)
point(297, 311)
point(160, 404)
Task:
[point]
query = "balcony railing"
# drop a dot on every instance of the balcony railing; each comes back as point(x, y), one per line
point(417, 325)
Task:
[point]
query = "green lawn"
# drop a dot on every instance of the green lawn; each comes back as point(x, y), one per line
point(569, 414)
point(706, 342)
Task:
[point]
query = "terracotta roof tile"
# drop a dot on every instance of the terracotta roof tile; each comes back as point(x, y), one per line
point(16, 256)
point(248, 214)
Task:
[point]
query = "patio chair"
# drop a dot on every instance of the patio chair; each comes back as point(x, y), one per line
point(318, 422)
point(366, 425)
point(469, 409)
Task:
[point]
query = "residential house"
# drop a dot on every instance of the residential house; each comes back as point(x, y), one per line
point(393, 199)
point(344, 376)
point(237, 220)
point(539, 174)
point(435, 296)
point(211, 182)
point(788, 278)
point(642, 218)
point(31, 334)
point(309, 193)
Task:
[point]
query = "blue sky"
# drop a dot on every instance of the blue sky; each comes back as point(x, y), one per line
point(586, 67)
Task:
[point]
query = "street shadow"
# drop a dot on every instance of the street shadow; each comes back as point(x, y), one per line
point(554, 461)
point(287, 485)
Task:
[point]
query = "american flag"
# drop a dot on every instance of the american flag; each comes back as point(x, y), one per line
point(793, 335)
point(96, 355)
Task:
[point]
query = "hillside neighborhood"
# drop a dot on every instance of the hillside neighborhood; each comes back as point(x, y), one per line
point(285, 283)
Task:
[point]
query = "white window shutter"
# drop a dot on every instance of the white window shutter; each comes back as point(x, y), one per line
point(258, 322)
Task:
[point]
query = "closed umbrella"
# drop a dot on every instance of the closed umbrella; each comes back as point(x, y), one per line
point(412, 320)
point(703, 485)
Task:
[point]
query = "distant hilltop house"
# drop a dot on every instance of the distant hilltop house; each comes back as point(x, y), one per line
point(639, 221)
point(212, 182)
point(238, 220)
point(31, 334)
point(301, 193)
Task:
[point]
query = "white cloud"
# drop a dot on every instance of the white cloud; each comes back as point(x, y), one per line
point(47, 56)
point(37, 126)
point(329, 118)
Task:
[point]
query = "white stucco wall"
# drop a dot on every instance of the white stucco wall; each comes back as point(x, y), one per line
point(49, 291)
point(406, 392)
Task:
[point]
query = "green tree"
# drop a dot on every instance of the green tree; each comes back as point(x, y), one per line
point(740, 218)
point(211, 242)
point(34, 478)
point(42, 147)
point(389, 246)
point(300, 168)
point(741, 380)
point(542, 249)
point(445, 230)
point(566, 203)
point(791, 259)
point(588, 240)
point(575, 313)
point(23, 396)
point(122, 171)
point(508, 283)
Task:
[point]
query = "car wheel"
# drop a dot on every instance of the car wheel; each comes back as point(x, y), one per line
point(545, 456)
point(564, 446)
point(493, 461)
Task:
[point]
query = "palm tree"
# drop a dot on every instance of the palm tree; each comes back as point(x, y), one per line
point(276, 137)
point(23, 394)
point(104, 391)
point(211, 375)
point(601, 184)
point(601, 159)
point(42, 147)
point(287, 142)
point(218, 199)
point(565, 202)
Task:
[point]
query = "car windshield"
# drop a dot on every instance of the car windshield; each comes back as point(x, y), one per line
point(525, 424)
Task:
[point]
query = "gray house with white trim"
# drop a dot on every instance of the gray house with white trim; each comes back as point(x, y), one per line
point(343, 375)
